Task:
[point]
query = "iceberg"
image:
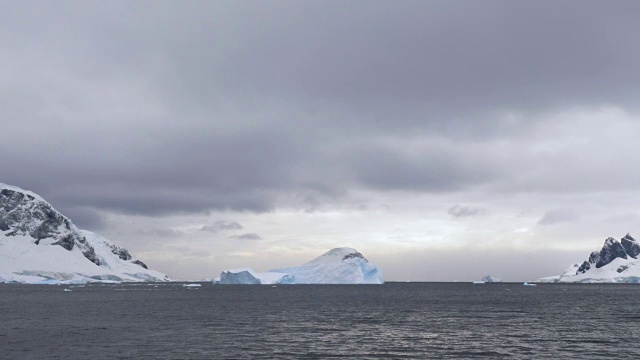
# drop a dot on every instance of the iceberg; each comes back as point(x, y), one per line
point(337, 266)
point(490, 279)
point(248, 276)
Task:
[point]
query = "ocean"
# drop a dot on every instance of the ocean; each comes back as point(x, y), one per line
point(390, 321)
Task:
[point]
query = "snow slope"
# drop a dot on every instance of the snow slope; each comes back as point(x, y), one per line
point(40, 245)
point(337, 266)
point(617, 261)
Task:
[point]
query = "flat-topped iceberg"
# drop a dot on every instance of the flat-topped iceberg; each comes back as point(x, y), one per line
point(337, 266)
point(248, 276)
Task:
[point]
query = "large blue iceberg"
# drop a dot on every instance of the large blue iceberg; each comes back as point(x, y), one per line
point(337, 266)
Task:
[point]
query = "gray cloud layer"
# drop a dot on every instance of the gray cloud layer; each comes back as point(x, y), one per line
point(157, 107)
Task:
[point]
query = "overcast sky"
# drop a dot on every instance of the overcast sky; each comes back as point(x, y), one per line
point(445, 140)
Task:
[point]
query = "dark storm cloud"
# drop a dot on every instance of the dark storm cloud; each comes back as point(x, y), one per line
point(430, 168)
point(462, 211)
point(443, 55)
point(158, 107)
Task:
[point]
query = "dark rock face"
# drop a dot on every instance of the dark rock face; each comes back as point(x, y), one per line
point(23, 214)
point(122, 253)
point(611, 250)
point(67, 242)
point(354, 255)
point(631, 246)
point(622, 268)
point(90, 253)
point(584, 267)
point(140, 263)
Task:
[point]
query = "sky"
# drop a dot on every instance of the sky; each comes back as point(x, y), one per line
point(444, 140)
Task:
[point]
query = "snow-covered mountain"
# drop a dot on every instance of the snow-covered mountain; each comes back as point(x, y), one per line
point(337, 266)
point(40, 245)
point(617, 261)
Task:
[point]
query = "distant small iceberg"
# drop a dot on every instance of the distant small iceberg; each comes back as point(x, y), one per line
point(488, 279)
point(528, 284)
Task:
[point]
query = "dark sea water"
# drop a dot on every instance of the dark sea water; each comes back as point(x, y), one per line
point(395, 320)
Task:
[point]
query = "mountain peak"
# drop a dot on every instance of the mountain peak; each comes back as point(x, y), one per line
point(631, 246)
point(4, 186)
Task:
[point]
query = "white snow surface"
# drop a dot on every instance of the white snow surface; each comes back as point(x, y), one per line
point(22, 261)
point(337, 266)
